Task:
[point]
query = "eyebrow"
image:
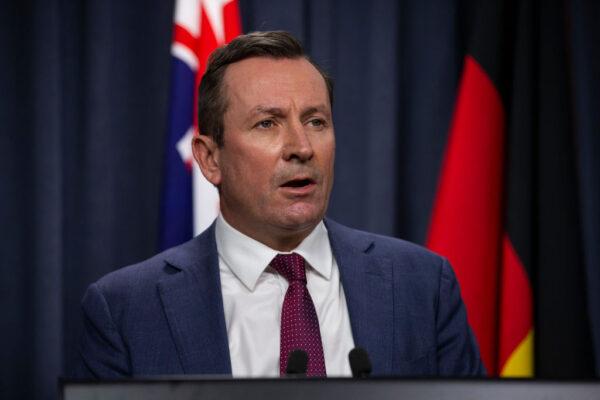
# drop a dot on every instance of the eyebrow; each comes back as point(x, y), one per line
point(318, 109)
point(278, 112)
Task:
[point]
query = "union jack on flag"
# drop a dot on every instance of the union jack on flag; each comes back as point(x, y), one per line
point(189, 202)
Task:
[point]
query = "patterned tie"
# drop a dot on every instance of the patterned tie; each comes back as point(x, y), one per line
point(299, 323)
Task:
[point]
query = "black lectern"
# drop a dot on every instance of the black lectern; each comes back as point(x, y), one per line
point(202, 388)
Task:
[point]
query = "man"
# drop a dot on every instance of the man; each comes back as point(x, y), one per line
point(271, 274)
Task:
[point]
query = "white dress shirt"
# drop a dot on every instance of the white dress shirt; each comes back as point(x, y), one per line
point(253, 295)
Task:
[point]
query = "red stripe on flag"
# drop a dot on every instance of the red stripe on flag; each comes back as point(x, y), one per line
point(232, 22)
point(185, 38)
point(516, 317)
point(466, 219)
point(207, 43)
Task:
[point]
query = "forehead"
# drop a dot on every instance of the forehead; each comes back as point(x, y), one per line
point(274, 81)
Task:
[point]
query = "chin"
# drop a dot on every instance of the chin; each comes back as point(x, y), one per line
point(300, 222)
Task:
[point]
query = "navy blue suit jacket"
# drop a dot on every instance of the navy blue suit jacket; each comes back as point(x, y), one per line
point(165, 315)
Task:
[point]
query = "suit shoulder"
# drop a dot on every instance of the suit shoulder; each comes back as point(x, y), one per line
point(408, 256)
point(148, 270)
point(147, 273)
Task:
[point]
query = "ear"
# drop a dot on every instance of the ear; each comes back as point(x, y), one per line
point(206, 152)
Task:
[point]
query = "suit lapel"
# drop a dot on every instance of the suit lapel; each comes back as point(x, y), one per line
point(192, 301)
point(367, 282)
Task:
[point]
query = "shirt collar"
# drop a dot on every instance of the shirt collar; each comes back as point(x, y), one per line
point(248, 258)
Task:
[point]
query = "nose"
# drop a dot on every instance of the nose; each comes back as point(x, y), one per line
point(297, 144)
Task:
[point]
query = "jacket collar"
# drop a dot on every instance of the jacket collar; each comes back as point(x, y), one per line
point(191, 298)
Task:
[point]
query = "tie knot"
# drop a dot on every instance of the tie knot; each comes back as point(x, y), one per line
point(291, 266)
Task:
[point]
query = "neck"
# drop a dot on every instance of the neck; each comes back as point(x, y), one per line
point(283, 240)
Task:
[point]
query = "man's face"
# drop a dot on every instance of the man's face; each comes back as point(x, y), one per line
point(276, 165)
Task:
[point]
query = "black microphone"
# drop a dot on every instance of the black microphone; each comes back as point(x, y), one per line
point(297, 363)
point(360, 364)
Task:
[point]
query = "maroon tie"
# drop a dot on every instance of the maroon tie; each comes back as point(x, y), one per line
point(299, 323)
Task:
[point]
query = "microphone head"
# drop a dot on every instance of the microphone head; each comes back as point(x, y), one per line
point(360, 363)
point(297, 363)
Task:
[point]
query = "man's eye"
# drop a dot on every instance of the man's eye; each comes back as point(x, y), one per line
point(317, 123)
point(266, 124)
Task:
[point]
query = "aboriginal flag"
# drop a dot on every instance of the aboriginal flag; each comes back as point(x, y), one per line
point(506, 211)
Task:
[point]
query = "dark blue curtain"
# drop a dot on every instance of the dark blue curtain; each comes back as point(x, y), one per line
point(83, 114)
point(83, 108)
point(584, 33)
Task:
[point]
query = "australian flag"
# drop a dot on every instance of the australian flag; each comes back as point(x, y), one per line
point(189, 202)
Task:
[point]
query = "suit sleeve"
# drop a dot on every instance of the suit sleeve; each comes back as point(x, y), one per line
point(457, 349)
point(102, 353)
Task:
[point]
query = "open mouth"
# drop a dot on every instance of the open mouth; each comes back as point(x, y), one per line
point(298, 183)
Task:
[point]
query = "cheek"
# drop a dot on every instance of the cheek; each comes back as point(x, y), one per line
point(250, 177)
point(328, 156)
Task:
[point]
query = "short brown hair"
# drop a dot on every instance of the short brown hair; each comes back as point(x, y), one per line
point(212, 103)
